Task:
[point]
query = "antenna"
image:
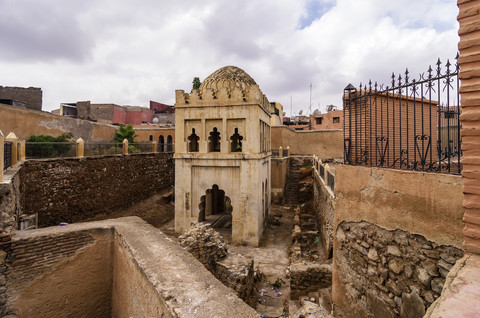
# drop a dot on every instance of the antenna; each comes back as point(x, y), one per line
point(291, 107)
point(310, 108)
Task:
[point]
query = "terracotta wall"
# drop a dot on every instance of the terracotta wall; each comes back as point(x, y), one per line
point(61, 274)
point(326, 144)
point(469, 61)
point(327, 120)
point(145, 131)
point(26, 122)
point(279, 168)
point(113, 268)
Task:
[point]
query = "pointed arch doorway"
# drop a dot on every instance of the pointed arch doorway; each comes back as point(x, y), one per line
point(216, 209)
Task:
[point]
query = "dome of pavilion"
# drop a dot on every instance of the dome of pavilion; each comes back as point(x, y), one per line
point(227, 77)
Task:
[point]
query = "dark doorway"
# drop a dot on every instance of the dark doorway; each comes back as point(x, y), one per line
point(216, 209)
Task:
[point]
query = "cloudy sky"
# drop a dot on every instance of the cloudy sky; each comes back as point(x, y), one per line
point(131, 52)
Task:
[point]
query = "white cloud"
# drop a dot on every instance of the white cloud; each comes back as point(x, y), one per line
point(128, 53)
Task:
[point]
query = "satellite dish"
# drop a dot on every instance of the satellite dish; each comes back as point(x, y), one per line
point(284, 113)
point(155, 120)
point(316, 112)
point(300, 112)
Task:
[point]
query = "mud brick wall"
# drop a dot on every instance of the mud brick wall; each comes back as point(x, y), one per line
point(388, 273)
point(72, 190)
point(31, 96)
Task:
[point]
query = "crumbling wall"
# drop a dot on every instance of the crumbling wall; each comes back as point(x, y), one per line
point(421, 211)
point(388, 273)
point(72, 190)
point(233, 270)
point(324, 207)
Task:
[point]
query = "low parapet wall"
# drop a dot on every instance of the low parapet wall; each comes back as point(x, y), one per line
point(119, 268)
point(325, 144)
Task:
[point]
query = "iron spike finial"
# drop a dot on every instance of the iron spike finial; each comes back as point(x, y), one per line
point(457, 56)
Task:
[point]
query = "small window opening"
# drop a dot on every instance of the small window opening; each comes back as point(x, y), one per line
point(193, 141)
point(336, 120)
point(214, 141)
point(319, 120)
point(236, 145)
point(161, 143)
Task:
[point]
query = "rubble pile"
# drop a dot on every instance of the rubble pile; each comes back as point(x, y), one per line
point(206, 244)
point(233, 270)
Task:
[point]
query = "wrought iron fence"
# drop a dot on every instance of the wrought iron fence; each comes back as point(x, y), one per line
point(7, 155)
point(412, 124)
point(322, 172)
point(102, 148)
point(39, 150)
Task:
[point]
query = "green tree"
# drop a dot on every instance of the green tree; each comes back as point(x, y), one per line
point(125, 132)
point(45, 146)
point(196, 83)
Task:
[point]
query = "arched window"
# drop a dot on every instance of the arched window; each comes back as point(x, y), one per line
point(169, 144)
point(214, 141)
point(161, 143)
point(193, 141)
point(236, 144)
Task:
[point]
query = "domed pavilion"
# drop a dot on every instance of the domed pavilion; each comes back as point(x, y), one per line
point(222, 156)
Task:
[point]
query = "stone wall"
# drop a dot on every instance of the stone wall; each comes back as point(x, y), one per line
point(31, 96)
point(233, 270)
point(326, 144)
point(390, 273)
point(413, 220)
point(71, 190)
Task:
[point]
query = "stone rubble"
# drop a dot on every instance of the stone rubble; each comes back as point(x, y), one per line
point(233, 270)
point(391, 272)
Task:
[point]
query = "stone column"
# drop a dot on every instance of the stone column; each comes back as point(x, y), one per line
point(125, 146)
point(280, 152)
point(80, 148)
point(2, 139)
point(469, 61)
point(288, 151)
point(22, 150)
point(11, 137)
point(154, 146)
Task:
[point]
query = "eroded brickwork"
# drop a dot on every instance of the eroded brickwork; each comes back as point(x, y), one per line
point(385, 273)
point(469, 61)
point(72, 190)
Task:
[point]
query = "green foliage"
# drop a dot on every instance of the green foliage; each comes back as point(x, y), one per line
point(196, 83)
point(49, 146)
point(125, 132)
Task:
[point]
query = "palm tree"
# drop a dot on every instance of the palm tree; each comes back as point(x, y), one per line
point(125, 132)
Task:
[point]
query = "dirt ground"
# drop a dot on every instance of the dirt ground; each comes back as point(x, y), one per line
point(271, 257)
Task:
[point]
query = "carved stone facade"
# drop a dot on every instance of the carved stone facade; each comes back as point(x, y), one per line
point(222, 155)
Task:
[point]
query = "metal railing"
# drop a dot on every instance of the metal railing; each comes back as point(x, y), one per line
point(412, 124)
point(7, 155)
point(41, 150)
point(103, 148)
